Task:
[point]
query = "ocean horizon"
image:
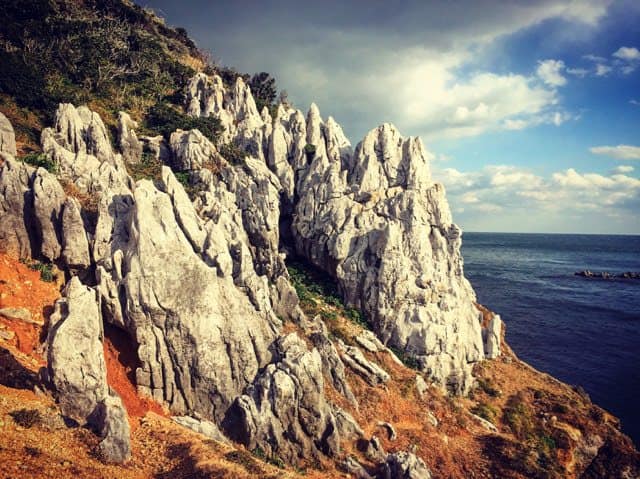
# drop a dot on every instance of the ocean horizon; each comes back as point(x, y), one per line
point(583, 331)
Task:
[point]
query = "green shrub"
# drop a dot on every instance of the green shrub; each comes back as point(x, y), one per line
point(148, 168)
point(233, 153)
point(164, 119)
point(45, 269)
point(408, 359)
point(485, 411)
point(40, 160)
point(487, 386)
point(310, 151)
point(519, 418)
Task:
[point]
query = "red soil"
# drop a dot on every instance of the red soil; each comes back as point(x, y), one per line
point(122, 361)
point(21, 287)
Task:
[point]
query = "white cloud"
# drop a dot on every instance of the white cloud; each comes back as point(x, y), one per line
point(623, 169)
point(634, 102)
point(602, 70)
point(620, 152)
point(594, 58)
point(550, 72)
point(579, 72)
point(420, 80)
point(525, 200)
point(627, 53)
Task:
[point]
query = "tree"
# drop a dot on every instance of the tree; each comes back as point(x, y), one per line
point(263, 88)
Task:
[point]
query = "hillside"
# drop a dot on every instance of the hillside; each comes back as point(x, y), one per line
point(200, 281)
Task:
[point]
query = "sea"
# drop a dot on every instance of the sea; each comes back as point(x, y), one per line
point(583, 331)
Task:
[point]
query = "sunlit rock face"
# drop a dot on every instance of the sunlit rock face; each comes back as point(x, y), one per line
point(372, 218)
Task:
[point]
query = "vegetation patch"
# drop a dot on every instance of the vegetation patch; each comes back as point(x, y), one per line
point(485, 411)
point(164, 118)
point(40, 160)
point(408, 359)
point(26, 418)
point(233, 153)
point(274, 460)
point(46, 269)
point(486, 385)
point(148, 168)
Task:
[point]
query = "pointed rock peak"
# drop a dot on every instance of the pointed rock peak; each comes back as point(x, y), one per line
point(280, 112)
point(265, 115)
point(314, 112)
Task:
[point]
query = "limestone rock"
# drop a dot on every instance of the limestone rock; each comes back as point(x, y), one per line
point(331, 362)
point(48, 199)
point(192, 150)
point(421, 386)
point(75, 247)
point(375, 451)
point(406, 465)
point(17, 218)
point(79, 145)
point(285, 411)
point(355, 469)
point(7, 136)
point(113, 426)
point(206, 428)
point(130, 146)
point(18, 314)
point(377, 223)
point(369, 370)
point(391, 431)
point(75, 358)
point(491, 337)
point(347, 425)
point(488, 425)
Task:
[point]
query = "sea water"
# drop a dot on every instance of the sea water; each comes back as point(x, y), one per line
point(583, 331)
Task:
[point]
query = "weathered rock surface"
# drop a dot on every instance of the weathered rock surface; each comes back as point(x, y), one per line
point(370, 371)
point(491, 337)
point(113, 426)
point(77, 370)
point(7, 136)
point(405, 465)
point(206, 428)
point(17, 217)
point(286, 406)
point(75, 332)
point(128, 142)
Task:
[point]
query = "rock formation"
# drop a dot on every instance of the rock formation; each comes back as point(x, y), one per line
point(201, 286)
point(373, 219)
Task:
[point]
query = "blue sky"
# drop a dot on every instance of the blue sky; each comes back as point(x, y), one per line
point(530, 109)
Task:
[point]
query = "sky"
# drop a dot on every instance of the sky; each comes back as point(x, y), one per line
point(531, 110)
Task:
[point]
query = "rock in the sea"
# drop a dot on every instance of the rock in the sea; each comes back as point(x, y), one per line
point(7, 136)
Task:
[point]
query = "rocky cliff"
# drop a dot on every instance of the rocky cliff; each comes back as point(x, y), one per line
point(181, 244)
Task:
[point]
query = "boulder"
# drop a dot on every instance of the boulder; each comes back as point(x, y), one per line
point(491, 336)
point(75, 357)
point(405, 465)
point(7, 137)
point(128, 142)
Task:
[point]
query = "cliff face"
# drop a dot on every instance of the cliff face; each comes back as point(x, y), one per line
point(181, 244)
